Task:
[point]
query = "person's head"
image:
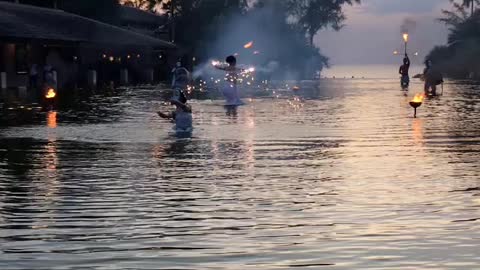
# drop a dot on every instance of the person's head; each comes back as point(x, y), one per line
point(231, 60)
point(428, 63)
point(178, 64)
point(405, 60)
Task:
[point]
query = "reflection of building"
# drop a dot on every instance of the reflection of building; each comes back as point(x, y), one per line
point(80, 50)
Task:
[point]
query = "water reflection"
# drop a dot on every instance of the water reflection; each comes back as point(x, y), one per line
point(231, 110)
point(52, 119)
point(418, 131)
point(340, 176)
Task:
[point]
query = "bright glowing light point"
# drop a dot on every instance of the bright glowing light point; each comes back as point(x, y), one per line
point(50, 93)
point(248, 45)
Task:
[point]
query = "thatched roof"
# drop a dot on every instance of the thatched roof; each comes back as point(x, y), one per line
point(24, 22)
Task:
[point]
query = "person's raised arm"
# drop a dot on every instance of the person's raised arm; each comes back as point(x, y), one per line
point(165, 115)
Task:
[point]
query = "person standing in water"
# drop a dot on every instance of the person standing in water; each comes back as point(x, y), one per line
point(405, 79)
point(182, 116)
point(33, 75)
point(230, 90)
point(432, 78)
point(180, 79)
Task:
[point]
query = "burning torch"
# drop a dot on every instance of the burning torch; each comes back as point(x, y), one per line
point(405, 38)
point(417, 102)
point(50, 96)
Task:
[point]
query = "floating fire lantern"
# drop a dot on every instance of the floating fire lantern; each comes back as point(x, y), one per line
point(417, 102)
point(50, 93)
point(295, 88)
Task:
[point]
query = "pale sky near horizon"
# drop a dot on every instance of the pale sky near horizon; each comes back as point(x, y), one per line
point(372, 32)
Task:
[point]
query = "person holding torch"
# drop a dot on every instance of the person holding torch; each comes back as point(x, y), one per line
point(405, 78)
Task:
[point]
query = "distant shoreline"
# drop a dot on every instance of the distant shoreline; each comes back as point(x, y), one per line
point(371, 71)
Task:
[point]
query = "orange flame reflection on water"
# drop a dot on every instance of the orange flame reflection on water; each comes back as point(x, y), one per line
point(52, 119)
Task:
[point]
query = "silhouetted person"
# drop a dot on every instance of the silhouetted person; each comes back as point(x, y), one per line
point(182, 116)
point(432, 78)
point(33, 76)
point(230, 90)
point(405, 79)
point(180, 79)
point(48, 78)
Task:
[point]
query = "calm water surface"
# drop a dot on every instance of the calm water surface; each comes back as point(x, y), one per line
point(341, 178)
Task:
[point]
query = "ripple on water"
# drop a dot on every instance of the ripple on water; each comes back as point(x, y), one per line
point(343, 179)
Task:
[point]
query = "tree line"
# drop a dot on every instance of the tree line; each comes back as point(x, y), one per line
point(460, 58)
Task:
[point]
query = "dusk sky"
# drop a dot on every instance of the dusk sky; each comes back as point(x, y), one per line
point(372, 31)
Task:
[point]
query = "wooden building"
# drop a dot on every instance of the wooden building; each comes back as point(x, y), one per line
point(79, 49)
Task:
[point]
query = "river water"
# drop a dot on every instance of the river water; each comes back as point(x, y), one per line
point(339, 177)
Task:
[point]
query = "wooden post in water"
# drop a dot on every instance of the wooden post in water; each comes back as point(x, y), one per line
point(3, 80)
point(124, 77)
point(92, 79)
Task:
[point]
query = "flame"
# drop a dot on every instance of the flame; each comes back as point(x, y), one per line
point(51, 93)
point(248, 45)
point(405, 37)
point(418, 98)
point(395, 52)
